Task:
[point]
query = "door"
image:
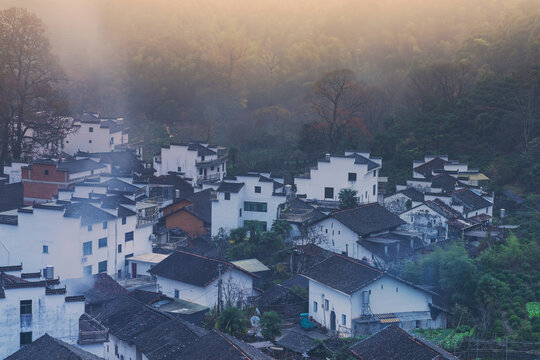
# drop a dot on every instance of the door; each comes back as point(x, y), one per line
point(133, 270)
point(332, 320)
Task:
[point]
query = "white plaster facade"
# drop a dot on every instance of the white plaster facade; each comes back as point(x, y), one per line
point(232, 281)
point(197, 161)
point(50, 314)
point(45, 237)
point(259, 199)
point(339, 172)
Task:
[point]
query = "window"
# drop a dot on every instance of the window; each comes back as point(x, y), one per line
point(126, 261)
point(259, 225)
point(89, 227)
point(200, 171)
point(328, 192)
point(46, 172)
point(91, 129)
point(26, 338)
point(102, 266)
point(343, 319)
point(45, 249)
point(129, 236)
point(112, 140)
point(326, 304)
point(102, 242)
point(202, 158)
point(366, 195)
point(374, 190)
point(315, 306)
point(120, 248)
point(124, 220)
point(382, 287)
point(397, 289)
point(26, 307)
point(176, 294)
point(227, 196)
point(239, 212)
point(104, 224)
point(89, 141)
point(255, 206)
point(87, 248)
point(87, 270)
point(352, 176)
point(179, 168)
point(257, 189)
point(375, 173)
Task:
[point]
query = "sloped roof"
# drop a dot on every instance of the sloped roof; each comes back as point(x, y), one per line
point(192, 269)
point(230, 187)
point(426, 169)
point(49, 348)
point(77, 166)
point(219, 346)
point(119, 185)
point(250, 265)
point(297, 341)
point(343, 273)
point(202, 206)
point(395, 343)
point(88, 213)
point(470, 200)
point(201, 149)
point(362, 160)
point(413, 194)
point(441, 208)
point(97, 288)
point(367, 219)
point(446, 182)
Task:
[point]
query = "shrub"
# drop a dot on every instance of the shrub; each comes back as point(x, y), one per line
point(271, 325)
point(232, 321)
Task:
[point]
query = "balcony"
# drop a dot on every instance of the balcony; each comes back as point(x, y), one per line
point(210, 177)
point(214, 162)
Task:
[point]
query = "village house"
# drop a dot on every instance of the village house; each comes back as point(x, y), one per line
point(76, 238)
point(31, 306)
point(140, 265)
point(43, 178)
point(196, 278)
point(120, 162)
point(403, 200)
point(435, 221)
point(368, 232)
point(197, 162)
point(392, 342)
point(94, 133)
point(354, 170)
point(352, 298)
point(256, 198)
point(50, 348)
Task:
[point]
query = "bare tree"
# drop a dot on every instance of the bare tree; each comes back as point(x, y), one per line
point(336, 100)
point(30, 104)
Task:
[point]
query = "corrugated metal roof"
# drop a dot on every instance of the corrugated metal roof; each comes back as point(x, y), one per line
point(149, 258)
point(250, 265)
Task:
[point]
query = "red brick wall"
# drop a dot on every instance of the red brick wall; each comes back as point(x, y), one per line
point(185, 221)
point(38, 185)
point(176, 206)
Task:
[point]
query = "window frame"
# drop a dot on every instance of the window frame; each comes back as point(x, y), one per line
point(352, 176)
point(227, 196)
point(258, 190)
point(45, 249)
point(25, 307)
point(85, 250)
point(101, 243)
point(100, 265)
point(129, 236)
point(328, 191)
point(23, 338)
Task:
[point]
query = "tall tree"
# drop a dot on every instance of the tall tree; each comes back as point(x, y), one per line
point(30, 104)
point(336, 101)
point(348, 198)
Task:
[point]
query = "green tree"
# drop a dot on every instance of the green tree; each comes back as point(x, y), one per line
point(271, 325)
point(232, 321)
point(348, 198)
point(281, 227)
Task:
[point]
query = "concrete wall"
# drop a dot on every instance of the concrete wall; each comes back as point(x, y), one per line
point(50, 314)
point(424, 220)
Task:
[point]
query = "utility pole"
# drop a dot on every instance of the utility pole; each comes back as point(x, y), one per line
point(220, 303)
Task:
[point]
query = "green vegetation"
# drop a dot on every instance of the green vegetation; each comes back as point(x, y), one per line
point(533, 308)
point(232, 321)
point(270, 325)
point(348, 198)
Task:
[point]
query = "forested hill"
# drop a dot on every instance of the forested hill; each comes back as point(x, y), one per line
point(459, 77)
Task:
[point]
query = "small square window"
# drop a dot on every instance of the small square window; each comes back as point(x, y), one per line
point(227, 196)
point(45, 249)
point(102, 242)
point(328, 192)
point(129, 236)
point(26, 307)
point(26, 338)
point(104, 224)
point(89, 227)
point(257, 189)
point(124, 220)
point(91, 129)
point(89, 141)
point(46, 172)
point(102, 266)
point(352, 176)
point(120, 248)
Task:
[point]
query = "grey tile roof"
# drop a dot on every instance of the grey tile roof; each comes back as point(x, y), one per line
point(77, 166)
point(413, 194)
point(230, 187)
point(470, 200)
point(295, 340)
point(49, 348)
point(88, 214)
point(395, 343)
point(201, 149)
point(367, 219)
point(359, 159)
point(441, 208)
point(426, 169)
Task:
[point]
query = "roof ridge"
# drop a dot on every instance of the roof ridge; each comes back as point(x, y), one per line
point(359, 263)
point(413, 338)
point(351, 209)
point(230, 342)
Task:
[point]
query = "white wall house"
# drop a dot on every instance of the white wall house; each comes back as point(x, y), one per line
point(354, 170)
point(254, 197)
point(196, 278)
point(31, 307)
point(77, 239)
point(92, 133)
point(352, 298)
point(197, 161)
point(403, 200)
